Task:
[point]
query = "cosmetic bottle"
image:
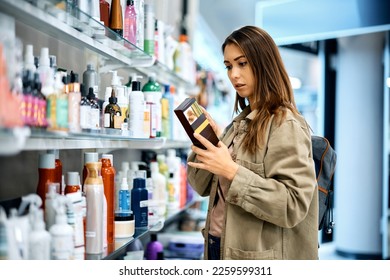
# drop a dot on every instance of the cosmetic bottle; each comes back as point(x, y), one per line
point(153, 89)
point(76, 199)
point(39, 237)
point(94, 191)
point(149, 29)
point(94, 113)
point(72, 183)
point(130, 23)
point(46, 175)
point(85, 112)
point(104, 12)
point(90, 79)
point(136, 109)
point(124, 196)
point(139, 203)
point(116, 19)
point(74, 98)
point(58, 167)
point(88, 157)
point(112, 113)
point(153, 248)
point(62, 245)
point(51, 204)
point(108, 176)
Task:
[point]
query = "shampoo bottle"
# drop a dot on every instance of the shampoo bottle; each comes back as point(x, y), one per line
point(39, 237)
point(108, 176)
point(88, 157)
point(153, 88)
point(94, 191)
point(139, 203)
point(61, 232)
point(47, 174)
point(153, 248)
point(136, 109)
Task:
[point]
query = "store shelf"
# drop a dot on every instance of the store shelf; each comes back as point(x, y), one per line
point(82, 31)
point(13, 141)
point(119, 251)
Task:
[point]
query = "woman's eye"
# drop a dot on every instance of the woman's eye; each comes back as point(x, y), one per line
point(242, 64)
point(228, 67)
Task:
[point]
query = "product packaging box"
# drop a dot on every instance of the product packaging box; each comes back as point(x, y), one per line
point(193, 119)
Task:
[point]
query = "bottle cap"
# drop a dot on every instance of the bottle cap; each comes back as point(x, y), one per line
point(44, 59)
point(90, 157)
point(47, 161)
point(56, 153)
point(72, 179)
point(110, 157)
point(124, 184)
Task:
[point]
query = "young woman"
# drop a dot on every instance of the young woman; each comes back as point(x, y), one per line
point(260, 178)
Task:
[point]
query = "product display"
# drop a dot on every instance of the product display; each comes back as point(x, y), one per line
point(74, 199)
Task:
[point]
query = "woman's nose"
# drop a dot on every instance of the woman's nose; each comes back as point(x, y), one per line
point(235, 72)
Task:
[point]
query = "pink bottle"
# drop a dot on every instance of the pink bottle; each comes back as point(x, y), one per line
point(130, 23)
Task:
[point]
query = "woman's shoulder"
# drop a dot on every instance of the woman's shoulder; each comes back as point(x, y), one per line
point(290, 117)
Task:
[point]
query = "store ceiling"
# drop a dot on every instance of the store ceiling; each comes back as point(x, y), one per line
point(223, 16)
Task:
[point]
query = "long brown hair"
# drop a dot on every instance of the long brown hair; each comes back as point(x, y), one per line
point(273, 93)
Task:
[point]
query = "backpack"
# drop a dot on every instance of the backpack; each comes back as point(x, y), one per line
point(324, 157)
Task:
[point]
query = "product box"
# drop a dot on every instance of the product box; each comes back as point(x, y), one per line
point(193, 119)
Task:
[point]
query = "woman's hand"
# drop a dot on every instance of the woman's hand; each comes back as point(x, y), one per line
point(213, 124)
point(216, 160)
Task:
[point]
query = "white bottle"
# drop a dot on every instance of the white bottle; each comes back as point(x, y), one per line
point(160, 188)
point(173, 163)
point(95, 214)
point(51, 204)
point(61, 232)
point(29, 59)
point(78, 209)
point(39, 237)
point(139, 6)
point(44, 69)
point(136, 109)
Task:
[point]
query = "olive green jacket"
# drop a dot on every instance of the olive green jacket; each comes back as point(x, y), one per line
point(272, 203)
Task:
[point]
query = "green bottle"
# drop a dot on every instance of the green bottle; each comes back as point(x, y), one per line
point(153, 88)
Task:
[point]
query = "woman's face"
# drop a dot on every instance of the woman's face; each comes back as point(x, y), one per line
point(239, 71)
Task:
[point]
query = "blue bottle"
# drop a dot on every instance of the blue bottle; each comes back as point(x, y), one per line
point(139, 203)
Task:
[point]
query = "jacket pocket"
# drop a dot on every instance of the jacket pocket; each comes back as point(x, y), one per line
point(257, 168)
point(237, 254)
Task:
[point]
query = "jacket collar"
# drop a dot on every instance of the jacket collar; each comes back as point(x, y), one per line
point(246, 113)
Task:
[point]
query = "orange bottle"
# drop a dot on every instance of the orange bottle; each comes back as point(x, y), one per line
point(58, 168)
point(108, 176)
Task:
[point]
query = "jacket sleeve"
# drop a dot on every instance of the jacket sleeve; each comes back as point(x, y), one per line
point(283, 194)
point(199, 179)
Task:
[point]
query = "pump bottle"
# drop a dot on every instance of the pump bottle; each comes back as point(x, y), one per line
point(136, 109)
point(62, 236)
point(39, 237)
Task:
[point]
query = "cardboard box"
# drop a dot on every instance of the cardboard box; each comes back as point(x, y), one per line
point(193, 119)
